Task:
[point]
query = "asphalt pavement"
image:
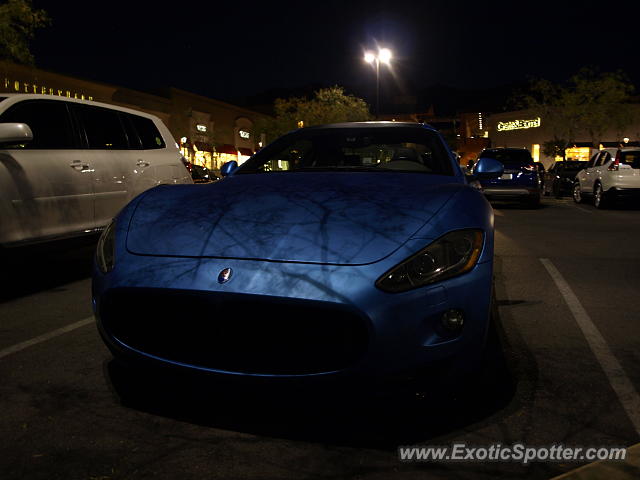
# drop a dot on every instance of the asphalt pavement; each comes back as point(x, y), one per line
point(563, 369)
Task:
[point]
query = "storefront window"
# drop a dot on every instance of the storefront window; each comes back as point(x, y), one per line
point(535, 152)
point(203, 158)
point(578, 153)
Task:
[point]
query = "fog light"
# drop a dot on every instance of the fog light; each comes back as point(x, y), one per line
point(453, 320)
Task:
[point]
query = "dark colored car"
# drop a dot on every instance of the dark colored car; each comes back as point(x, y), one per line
point(558, 180)
point(201, 174)
point(520, 181)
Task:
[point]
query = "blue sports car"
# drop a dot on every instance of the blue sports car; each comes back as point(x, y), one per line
point(344, 251)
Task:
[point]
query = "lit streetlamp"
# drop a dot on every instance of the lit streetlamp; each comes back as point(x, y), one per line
point(384, 56)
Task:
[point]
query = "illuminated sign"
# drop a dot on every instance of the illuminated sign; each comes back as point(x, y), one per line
point(244, 134)
point(519, 124)
point(201, 128)
point(16, 86)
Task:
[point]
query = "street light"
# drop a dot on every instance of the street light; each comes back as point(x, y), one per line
point(384, 56)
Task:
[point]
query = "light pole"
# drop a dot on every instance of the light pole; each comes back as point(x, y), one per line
point(384, 56)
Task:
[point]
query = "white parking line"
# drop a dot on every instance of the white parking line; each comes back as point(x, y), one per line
point(583, 209)
point(44, 337)
point(627, 394)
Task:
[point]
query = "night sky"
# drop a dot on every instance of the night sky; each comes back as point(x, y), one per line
point(235, 50)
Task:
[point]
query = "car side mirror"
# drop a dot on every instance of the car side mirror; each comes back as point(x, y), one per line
point(15, 133)
point(487, 168)
point(228, 168)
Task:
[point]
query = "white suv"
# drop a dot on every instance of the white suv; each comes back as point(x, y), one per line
point(68, 166)
point(610, 174)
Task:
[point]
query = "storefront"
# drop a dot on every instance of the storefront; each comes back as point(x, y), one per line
point(524, 129)
point(212, 132)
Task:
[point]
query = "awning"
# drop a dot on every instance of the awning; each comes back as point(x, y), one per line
point(245, 151)
point(226, 148)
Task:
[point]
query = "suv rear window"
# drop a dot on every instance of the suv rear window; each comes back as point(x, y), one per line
point(631, 158)
point(511, 156)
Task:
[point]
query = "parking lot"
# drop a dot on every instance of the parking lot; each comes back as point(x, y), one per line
point(564, 370)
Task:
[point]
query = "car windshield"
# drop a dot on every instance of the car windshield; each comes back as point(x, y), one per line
point(510, 156)
point(572, 165)
point(393, 149)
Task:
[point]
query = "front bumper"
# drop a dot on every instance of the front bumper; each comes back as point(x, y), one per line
point(286, 321)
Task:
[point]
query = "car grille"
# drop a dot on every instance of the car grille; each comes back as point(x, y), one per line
point(236, 333)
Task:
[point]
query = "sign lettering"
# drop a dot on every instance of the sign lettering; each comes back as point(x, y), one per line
point(15, 86)
point(519, 124)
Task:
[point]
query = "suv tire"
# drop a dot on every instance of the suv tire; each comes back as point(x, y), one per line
point(599, 198)
point(577, 193)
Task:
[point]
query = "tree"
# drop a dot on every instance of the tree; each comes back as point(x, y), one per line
point(555, 148)
point(18, 23)
point(600, 102)
point(590, 102)
point(328, 105)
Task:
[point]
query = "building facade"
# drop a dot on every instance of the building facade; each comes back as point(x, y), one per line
point(209, 132)
point(525, 129)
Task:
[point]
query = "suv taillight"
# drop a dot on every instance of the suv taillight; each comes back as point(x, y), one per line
point(530, 168)
point(615, 165)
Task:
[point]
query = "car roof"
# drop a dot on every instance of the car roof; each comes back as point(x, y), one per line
point(39, 96)
point(372, 124)
point(505, 149)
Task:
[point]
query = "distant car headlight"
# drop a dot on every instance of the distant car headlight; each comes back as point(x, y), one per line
point(455, 253)
point(105, 252)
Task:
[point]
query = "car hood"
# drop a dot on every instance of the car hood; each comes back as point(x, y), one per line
point(330, 218)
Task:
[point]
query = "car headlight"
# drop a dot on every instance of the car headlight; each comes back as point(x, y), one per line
point(455, 253)
point(105, 252)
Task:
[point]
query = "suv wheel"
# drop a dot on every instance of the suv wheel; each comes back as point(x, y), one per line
point(577, 193)
point(598, 197)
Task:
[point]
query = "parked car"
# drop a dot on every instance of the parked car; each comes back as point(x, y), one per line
point(201, 174)
point(344, 251)
point(610, 175)
point(558, 180)
point(521, 179)
point(68, 166)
